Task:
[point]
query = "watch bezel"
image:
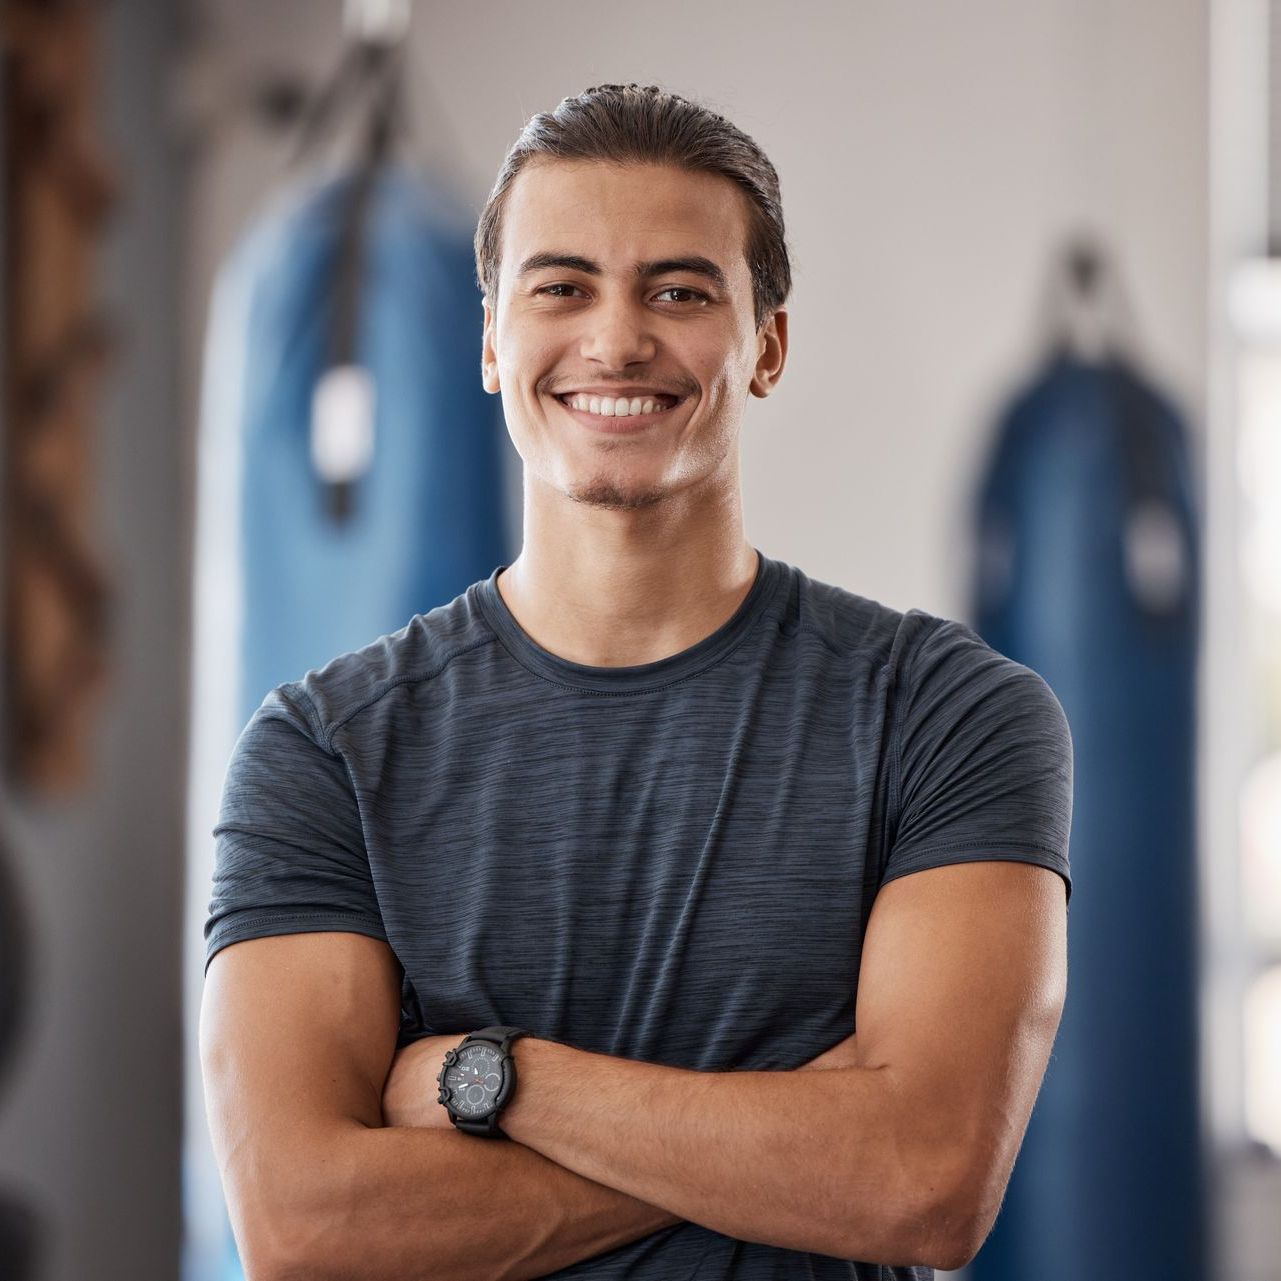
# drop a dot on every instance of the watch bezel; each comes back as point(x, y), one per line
point(446, 1092)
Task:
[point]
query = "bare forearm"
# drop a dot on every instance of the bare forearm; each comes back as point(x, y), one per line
point(403, 1203)
point(829, 1162)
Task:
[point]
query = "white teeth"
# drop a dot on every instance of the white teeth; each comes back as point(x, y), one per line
point(620, 407)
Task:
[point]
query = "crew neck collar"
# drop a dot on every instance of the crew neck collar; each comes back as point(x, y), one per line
point(642, 677)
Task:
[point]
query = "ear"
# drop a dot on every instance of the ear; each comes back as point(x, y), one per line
point(771, 353)
point(488, 354)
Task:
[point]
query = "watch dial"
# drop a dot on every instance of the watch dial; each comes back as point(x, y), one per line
point(474, 1081)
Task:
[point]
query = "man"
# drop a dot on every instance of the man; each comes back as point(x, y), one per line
point(681, 815)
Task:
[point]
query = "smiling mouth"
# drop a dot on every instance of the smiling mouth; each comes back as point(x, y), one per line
point(620, 407)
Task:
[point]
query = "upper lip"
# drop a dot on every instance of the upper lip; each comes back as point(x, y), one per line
point(619, 391)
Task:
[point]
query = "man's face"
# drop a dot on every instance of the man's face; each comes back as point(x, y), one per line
point(595, 326)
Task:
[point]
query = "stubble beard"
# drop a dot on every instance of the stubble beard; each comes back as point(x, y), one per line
point(606, 491)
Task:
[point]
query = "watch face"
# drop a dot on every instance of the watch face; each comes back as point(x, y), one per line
point(474, 1081)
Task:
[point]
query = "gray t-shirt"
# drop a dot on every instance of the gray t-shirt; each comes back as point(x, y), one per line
point(673, 862)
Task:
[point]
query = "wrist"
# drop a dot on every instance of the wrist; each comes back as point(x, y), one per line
point(533, 1056)
point(409, 1093)
point(480, 1078)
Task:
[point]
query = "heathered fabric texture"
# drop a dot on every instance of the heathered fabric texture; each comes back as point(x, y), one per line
point(673, 862)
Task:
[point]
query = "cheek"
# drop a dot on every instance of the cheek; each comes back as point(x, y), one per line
point(722, 367)
point(720, 390)
point(526, 348)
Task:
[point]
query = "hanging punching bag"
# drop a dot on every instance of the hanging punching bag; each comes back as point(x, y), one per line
point(1088, 573)
point(344, 355)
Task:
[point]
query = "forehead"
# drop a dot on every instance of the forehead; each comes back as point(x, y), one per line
point(618, 215)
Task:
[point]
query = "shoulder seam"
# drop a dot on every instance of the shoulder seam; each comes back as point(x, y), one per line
point(398, 681)
point(313, 715)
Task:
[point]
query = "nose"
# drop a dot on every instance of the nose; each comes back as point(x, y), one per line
point(618, 333)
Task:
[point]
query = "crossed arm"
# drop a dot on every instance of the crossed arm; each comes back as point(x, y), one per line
point(898, 1154)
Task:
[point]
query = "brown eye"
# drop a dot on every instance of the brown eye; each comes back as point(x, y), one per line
point(682, 289)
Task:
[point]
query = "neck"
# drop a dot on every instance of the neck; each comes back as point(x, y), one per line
point(614, 587)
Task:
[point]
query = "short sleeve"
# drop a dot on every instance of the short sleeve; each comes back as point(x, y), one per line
point(289, 854)
point(983, 757)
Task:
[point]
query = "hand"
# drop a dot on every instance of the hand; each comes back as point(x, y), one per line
point(410, 1092)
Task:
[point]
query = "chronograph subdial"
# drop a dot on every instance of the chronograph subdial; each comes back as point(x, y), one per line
point(474, 1080)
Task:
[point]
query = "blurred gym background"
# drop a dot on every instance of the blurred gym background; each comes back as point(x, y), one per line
point(1035, 333)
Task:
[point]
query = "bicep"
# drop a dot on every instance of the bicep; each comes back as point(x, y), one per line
point(961, 987)
point(297, 1034)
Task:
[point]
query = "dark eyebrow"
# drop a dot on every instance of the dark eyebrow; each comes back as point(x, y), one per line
point(696, 265)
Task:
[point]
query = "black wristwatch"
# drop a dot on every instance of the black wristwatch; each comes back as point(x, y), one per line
point(478, 1079)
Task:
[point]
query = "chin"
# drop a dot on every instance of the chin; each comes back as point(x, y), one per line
point(609, 491)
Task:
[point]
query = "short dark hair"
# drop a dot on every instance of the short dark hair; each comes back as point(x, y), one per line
point(643, 124)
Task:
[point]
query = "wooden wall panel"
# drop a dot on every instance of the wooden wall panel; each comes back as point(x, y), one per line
point(57, 192)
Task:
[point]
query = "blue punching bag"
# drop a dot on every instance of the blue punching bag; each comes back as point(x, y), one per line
point(1088, 573)
point(366, 274)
